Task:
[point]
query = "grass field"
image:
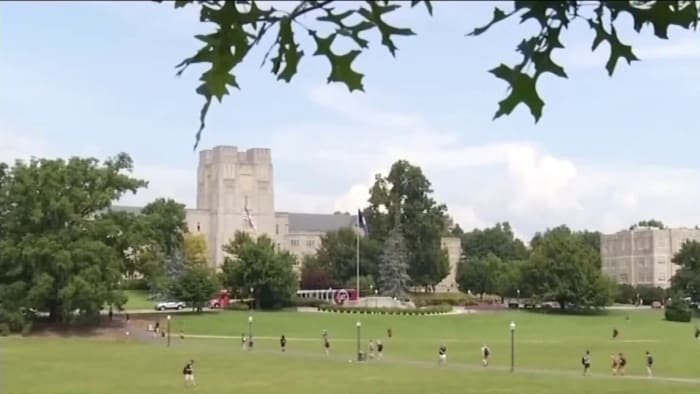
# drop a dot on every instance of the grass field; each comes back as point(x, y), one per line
point(548, 352)
point(137, 299)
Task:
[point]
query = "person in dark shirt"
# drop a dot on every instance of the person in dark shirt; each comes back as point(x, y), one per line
point(283, 343)
point(389, 332)
point(586, 362)
point(188, 371)
point(485, 354)
point(621, 364)
point(650, 363)
point(615, 333)
point(370, 349)
point(380, 349)
point(326, 343)
point(697, 333)
point(442, 355)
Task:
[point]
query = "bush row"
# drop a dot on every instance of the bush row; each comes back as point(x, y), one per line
point(432, 310)
point(679, 312)
point(237, 306)
point(436, 299)
point(307, 302)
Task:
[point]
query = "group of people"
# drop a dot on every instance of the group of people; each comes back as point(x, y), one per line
point(619, 363)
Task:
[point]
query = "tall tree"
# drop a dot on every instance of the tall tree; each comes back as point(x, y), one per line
point(648, 223)
point(480, 275)
point(498, 240)
point(337, 254)
point(564, 268)
point(59, 251)
point(165, 221)
point(406, 192)
point(687, 278)
point(393, 266)
point(240, 26)
point(315, 276)
point(255, 263)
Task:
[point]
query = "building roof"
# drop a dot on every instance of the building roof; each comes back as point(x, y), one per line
point(312, 222)
point(126, 208)
point(298, 222)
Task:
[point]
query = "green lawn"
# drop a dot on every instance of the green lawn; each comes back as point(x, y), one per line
point(138, 299)
point(548, 350)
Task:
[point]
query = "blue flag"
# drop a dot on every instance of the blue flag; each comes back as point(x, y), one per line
point(361, 222)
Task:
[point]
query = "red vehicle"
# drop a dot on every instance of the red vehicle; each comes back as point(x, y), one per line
point(335, 296)
point(222, 300)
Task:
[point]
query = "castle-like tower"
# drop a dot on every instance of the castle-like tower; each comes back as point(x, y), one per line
point(228, 182)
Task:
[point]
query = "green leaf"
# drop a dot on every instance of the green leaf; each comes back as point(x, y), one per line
point(427, 3)
point(618, 50)
point(288, 53)
point(341, 65)
point(341, 71)
point(182, 3)
point(375, 15)
point(523, 89)
point(498, 15)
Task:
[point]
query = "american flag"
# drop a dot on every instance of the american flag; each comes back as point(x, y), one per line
point(248, 218)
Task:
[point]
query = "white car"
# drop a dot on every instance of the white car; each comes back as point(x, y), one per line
point(161, 306)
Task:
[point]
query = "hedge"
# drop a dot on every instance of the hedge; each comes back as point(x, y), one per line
point(436, 299)
point(308, 302)
point(432, 310)
point(237, 306)
point(678, 313)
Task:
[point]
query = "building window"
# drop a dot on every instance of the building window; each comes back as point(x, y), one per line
point(197, 226)
point(277, 229)
point(310, 243)
point(294, 243)
point(662, 278)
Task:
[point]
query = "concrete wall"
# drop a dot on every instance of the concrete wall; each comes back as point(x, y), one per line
point(454, 254)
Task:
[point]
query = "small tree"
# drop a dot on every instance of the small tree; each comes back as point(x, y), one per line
point(258, 265)
point(314, 276)
point(393, 265)
point(196, 286)
point(195, 249)
point(480, 275)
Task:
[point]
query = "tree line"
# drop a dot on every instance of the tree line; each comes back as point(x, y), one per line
point(65, 252)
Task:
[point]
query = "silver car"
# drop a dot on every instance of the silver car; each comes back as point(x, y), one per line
point(170, 305)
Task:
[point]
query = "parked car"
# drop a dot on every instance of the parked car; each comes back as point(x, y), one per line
point(161, 306)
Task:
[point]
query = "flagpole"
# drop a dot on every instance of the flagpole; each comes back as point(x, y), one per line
point(357, 251)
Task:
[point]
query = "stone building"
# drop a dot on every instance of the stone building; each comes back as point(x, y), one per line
point(642, 256)
point(234, 187)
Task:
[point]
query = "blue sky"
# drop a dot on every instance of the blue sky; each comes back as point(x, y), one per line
point(97, 78)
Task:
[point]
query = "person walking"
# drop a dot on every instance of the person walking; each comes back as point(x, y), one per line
point(188, 371)
point(586, 362)
point(650, 363)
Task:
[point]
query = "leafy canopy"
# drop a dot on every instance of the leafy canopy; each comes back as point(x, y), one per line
point(687, 278)
point(255, 263)
point(242, 25)
point(60, 249)
point(404, 196)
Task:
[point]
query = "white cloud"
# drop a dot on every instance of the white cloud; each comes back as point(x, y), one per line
point(168, 182)
point(517, 181)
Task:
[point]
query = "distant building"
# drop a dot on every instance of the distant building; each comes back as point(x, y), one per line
point(642, 256)
point(234, 186)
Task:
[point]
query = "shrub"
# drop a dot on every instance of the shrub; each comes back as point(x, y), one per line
point(307, 302)
point(237, 306)
point(4, 329)
point(678, 311)
point(431, 310)
point(435, 299)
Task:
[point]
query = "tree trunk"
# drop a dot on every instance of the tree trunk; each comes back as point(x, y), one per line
point(562, 305)
point(481, 296)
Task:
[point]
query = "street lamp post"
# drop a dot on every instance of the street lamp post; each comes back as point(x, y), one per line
point(512, 346)
point(250, 332)
point(376, 301)
point(359, 327)
point(252, 298)
point(169, 318)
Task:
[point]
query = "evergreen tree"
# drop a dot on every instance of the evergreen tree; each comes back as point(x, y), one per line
point(393, 264)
